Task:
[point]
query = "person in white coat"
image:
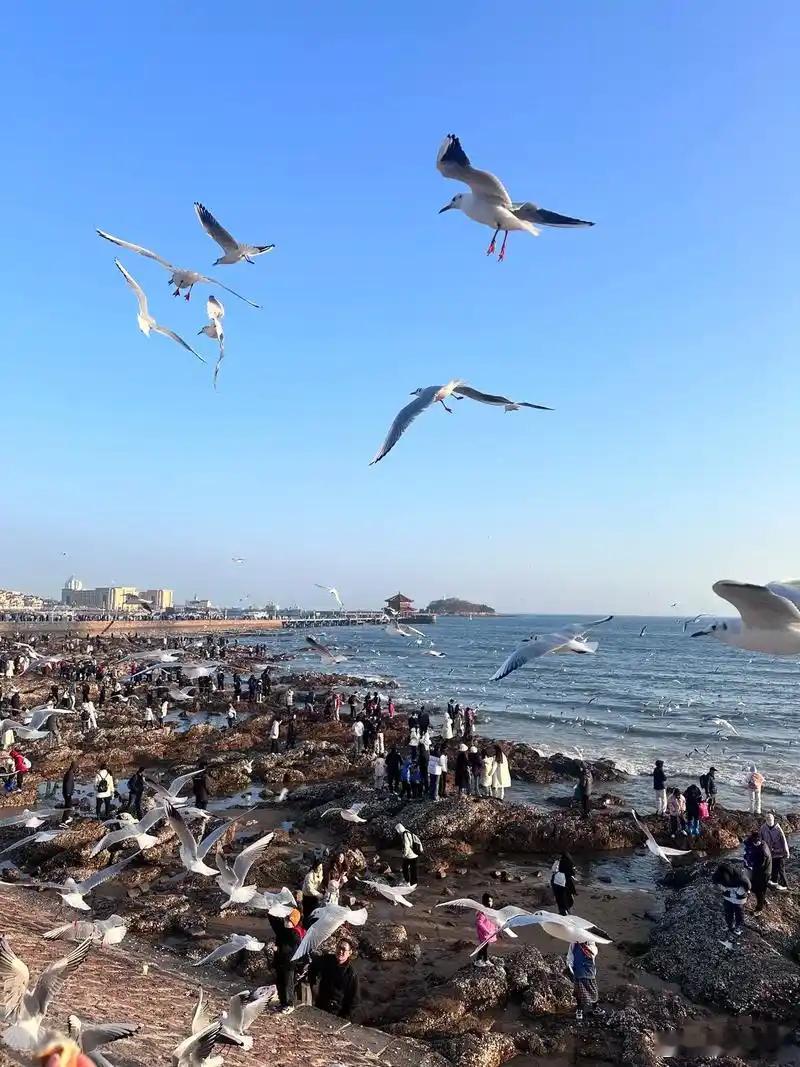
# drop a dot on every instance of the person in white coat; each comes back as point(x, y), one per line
point(487, 774)
point(103, 792)
point(755, 783)
point(501, 776)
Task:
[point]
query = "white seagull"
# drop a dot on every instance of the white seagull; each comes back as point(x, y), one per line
point(214, 330)
point(395, 893)
point(89, 1037)
point(181, 279)
point(242, 1013)
point(279, 904)
point(131, 830)
point(170, 792)
point(25, 1007)
point(425, 398)
point(463, 390)
point(569, 928)
point(146, 321)
point(232, 877)
point(25, 733)
point(350, 814)
point(102, 932)
point(572, 639)
point(40, 837)
point(499, 916)
point(72, 892)
point(328, 919)
point(725, 725)
point(195, 1050)
point(488, 201)
point(235, 943)
point(770, 621)
point(193, 853)
point(29, 819)
point(324, 652)
point(402, 629)
point(434, 652)
point(333, 592)
point(234, 251)
point(661, 851)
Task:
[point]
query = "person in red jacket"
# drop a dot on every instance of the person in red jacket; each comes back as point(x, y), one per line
point(21, 765)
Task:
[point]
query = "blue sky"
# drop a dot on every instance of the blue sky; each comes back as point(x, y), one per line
point(665, 337)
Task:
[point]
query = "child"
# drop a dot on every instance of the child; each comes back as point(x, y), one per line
point(379, 773)
point(486, 932)
point(676, 810)
point(581, 960)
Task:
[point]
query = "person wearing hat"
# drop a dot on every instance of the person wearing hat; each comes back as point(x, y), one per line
point(462, 771)
point(772, 834)
point(475, 769)
point(412, 850)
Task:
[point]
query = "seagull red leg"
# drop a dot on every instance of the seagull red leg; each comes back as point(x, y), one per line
point(490, 249)
point(502, 255)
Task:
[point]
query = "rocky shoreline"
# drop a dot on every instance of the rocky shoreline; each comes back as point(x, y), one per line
point(668, 968)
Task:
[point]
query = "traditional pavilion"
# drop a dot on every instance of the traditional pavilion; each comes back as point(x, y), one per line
point(403, 605)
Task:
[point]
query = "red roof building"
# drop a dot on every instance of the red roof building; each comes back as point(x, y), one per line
point(400, 603)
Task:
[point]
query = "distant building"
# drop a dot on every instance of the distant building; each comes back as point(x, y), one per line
point(161, 599)
point(12, 600)
point(73, 583)
point(198, 604)
point(403, 605)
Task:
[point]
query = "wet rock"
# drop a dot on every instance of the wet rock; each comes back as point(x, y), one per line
point(540, 980)
point(384, 942)
point(453, 1007)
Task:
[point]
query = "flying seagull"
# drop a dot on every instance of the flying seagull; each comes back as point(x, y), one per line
point(195, 1050)
point(643, 631)
point(26, 1006)
point(40, 837)
point(464, 390)
point(29, 819)
point(402, 629)
point(350, 814)
point(131, 830)
point(213, 329)
point(323, 651)
point(725, 725)
point(769, 621)
point(89, 1037)
point(146, 321)
point(229, 245)
point(238, 559)
point(333, 592)
point(171, 791)
point(488, 201)
point(425, 398)
point(181, 279)
point(328, 919)
point(72, 892)
point(572, 639)
point(661, 851)
point(235, 943)
point(193, 853)
point(242, 1013)
point(396, 893)
point(232, 877)
point(102, 932)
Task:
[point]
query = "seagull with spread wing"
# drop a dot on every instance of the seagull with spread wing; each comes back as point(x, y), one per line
point(195, 1050)
point(395, 893)
point(170, 793)
point(181, 279)
point(72, 892)
point(324, 652)
point(661, 851)
point(328, 919)
point(102, 932)
point(235, 943)
point(26, 1006)
point(147, 323)
point(233, 249)
point(40, 837)
point(769, 622)
point(90, 1037)
point(572, 639)
point(214, 330)
point(401, 629)
point(232, 877)
point(333, 592)
point(30, 819)
point(243, 1010)
point(488, 201)
point(193, 853)
point(425, 397)
point(25, 733)
point(463, 390)
point(131, 830)
point(350, 814)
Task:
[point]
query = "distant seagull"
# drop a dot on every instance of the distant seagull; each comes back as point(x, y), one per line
point(488, 201)
point(395, 893)
point(133, 598)
point(350, 814)
point(661, 851)
point(425, 398)
point(25, 1006)
point(327, 920)
point(769, 622)
point(102, 932)
point(181, 279)
point(213, 329)
point(725, 725)
point(229, 245)
point(464, 390)
point(324, 652)
point(643, 631)
point(72, 892)
point(333, 592)
point(434, 652)
point(572, 639)
point(146, 321)
point(238, 559)
point(235, 943)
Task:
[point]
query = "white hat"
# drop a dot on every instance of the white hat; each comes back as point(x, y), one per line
point(462, 748)
point(473, 749)
point(400, 828)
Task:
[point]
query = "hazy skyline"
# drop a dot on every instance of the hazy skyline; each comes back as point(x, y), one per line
point(665, 337)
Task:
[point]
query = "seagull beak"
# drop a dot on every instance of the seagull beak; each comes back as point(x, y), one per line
point(447, 207)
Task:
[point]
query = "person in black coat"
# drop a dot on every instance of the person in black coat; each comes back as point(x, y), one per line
point(67, 790)
point(394, 761)
point(337, 991)
point(287, 940)
point(585, 785)
point(462, 770)
point(758, 857)
point(562, 882)
point(135, 792)
point(200, 787)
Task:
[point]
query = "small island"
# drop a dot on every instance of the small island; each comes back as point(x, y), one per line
point(452, 605)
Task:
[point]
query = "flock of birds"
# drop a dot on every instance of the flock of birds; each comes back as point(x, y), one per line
point(487, 202)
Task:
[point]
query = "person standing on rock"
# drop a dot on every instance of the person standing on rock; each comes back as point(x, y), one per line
point(562, 882)
point(274, 735)
point(709, 783)
point(231, 715)
point(200, 787)
point(660, 787)
point(103, 792)
point(487, 773)
point(394, 763)
point(475, 770)
point(412, 850)
point(758, 859)
point(501, 776)
point(772, 833)
point(336, 981)
point(676, 812)
point(220, 679)
point(358, 738)
point(755, 783)
point(135, 792)
point(693, 797)
point(585, 786)
point(485, 931)
point(434, 772)
point(582, 961)
point(291, 731)
point(67, 791)
point(735, 887)
point(287, 941)
point(462, 771)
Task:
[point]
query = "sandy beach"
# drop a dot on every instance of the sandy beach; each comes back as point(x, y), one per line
point(418, 981)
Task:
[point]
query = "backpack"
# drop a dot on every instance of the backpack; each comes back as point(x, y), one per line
point(416, 844)
point(26, 763)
